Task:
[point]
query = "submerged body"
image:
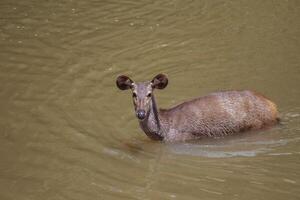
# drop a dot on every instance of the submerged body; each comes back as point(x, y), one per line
point(215, 115)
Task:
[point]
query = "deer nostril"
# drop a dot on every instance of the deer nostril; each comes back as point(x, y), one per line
point(141, 114)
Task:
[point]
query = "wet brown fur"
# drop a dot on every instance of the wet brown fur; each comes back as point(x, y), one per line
point(221, 113)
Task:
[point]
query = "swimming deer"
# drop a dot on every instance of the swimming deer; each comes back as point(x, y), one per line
point(215, 115)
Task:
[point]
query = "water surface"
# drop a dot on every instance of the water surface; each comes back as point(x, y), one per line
point(67, 132)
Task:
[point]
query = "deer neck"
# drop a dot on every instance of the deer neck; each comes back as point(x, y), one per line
point(152, 124)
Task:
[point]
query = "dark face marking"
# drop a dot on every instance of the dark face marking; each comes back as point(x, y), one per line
point(141, 94)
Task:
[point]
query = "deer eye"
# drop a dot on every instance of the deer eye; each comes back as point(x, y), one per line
point(149, 95)
point(134, 95)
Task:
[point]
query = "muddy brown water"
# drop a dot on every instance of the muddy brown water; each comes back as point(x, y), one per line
point(67, 132)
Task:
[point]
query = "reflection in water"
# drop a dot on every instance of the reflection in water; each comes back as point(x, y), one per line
point(236, 147)
point(66, 132)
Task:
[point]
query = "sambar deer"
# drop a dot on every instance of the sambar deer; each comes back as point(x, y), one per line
point(215, 115)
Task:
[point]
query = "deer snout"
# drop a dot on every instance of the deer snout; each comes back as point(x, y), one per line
point(141, 114)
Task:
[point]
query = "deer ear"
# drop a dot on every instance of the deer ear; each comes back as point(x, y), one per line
point(123, 82)
point(160, 81)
